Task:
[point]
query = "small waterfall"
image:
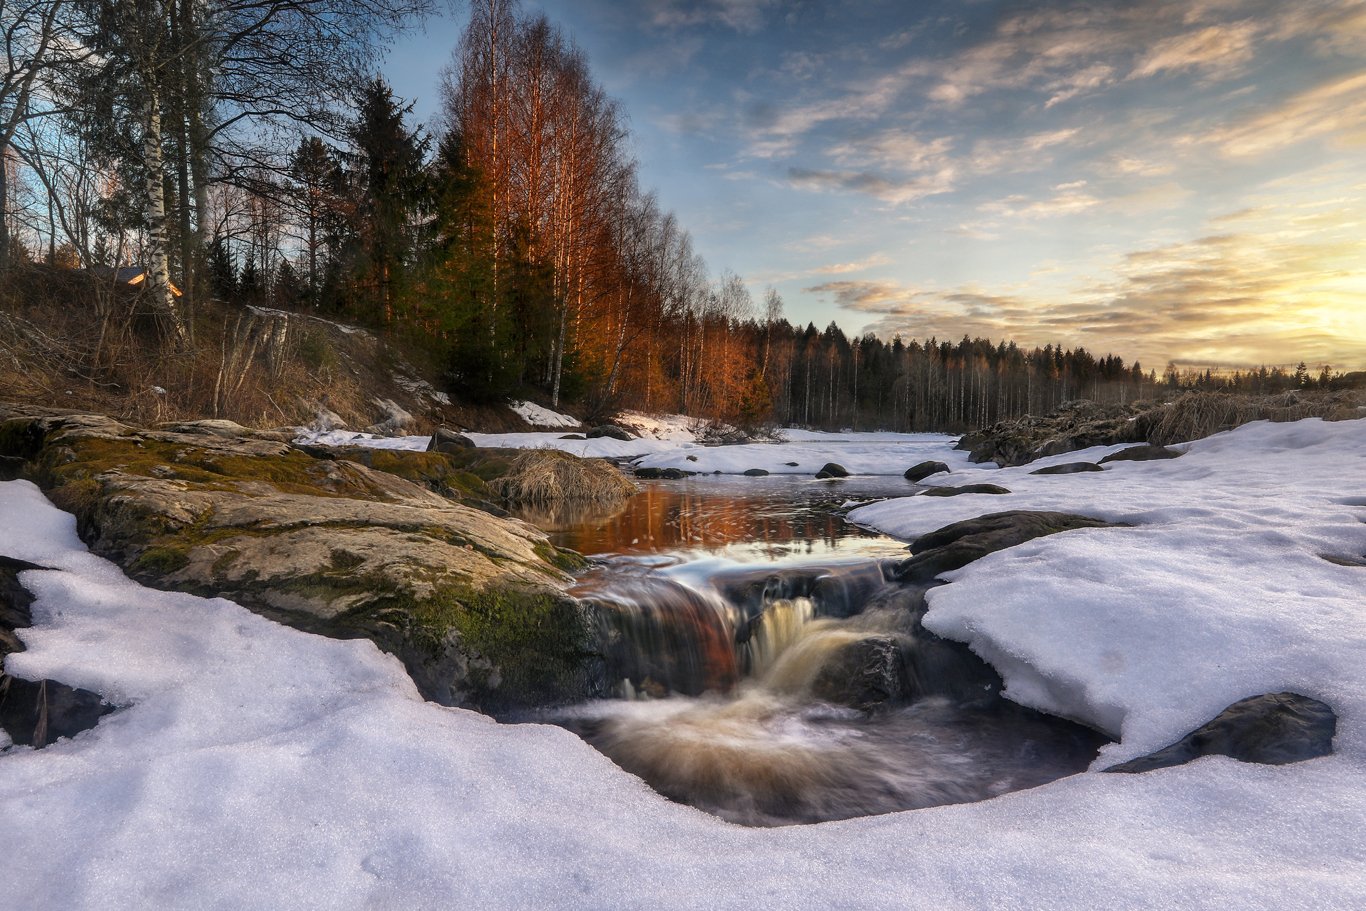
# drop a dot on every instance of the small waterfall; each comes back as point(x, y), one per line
point(663, 634)
point(771, 696)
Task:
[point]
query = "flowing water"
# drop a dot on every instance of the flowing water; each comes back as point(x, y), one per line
point(766, 671)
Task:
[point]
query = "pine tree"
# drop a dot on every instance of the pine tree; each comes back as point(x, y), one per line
point(391, 191)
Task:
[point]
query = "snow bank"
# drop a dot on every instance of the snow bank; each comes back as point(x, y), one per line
point(809, 451)
point(1219, 591)
point(259, 767)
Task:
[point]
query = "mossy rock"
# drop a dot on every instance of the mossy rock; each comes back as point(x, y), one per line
point(380, 544)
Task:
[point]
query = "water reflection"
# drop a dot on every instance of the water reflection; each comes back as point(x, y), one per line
point(749, 519)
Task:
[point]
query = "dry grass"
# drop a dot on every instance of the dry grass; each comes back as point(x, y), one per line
point(544, 476)
point(1199, 414)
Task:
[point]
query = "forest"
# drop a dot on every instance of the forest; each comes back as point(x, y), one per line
point(244, 153)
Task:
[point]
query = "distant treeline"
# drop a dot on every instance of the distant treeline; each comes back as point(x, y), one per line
point(243, 152)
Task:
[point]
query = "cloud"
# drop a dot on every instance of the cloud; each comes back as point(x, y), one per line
point(1067, 199)
point(1023, 153)
point(1217, 50)
point(868, 262)
point(892, 190)
point(1335, 109)
point(1284, 285)
point(738, 15)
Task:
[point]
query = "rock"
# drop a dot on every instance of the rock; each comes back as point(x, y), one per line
point(833, 470)
point(955, 546)
point(755, 473)
point(472, 604)
point(662, 474)
point(611, 431)
point(865, 674)
point(394, 421)
point(573, 436)
point(1068, 468)
point(918, 473)
point(1141, 454)
point(788, 464)
point(1275, 729)
point(691, 458)
point(1074, 425)
point(447, 440)
point(966, 488)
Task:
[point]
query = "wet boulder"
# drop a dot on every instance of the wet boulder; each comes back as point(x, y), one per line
point(662, 474)
point(833, 470)
point(1068, 468)
point(865, 674)
point(447, 440)
point(955, 546)
point(611, 432)
point(1275, 729)
point(966, 488)
point(1141, 454)
point(756, 473)
point(918, 473)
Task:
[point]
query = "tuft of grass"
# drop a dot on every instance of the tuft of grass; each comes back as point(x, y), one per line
point(1197, 415)
point(542, 476)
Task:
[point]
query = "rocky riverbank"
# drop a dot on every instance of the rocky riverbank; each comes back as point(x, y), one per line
point(1195, 415)
point(472, 603)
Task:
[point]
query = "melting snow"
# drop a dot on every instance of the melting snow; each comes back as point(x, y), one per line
point(255, 766)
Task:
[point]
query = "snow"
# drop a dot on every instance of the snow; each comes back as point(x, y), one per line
point(668, 443)
point(859, 453)
point(255, 766)
point(677, 427)
point(539, 416)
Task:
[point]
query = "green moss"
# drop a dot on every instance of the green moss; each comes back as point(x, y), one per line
point(537, 640)
point(567, 560)
point(289, 472)
point(161, 560)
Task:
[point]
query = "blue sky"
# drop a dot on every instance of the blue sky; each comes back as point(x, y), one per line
point(1167, 181)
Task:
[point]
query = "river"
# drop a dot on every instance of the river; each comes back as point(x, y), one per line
point(766, 672)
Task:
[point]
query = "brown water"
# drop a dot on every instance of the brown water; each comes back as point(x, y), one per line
point(771, 518)
point(766, 671)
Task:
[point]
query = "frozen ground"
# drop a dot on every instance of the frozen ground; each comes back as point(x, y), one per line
point(259, 767)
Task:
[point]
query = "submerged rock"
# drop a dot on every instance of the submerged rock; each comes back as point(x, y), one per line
point(1275, 729)
point(966, 488)
point(1068, 468)
point(865, 674)
point(918, 473)
point(662, 474)
point(1141, 454)
point(955, 546)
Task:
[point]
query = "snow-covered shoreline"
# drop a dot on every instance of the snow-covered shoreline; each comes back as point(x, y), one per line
point(259, 767)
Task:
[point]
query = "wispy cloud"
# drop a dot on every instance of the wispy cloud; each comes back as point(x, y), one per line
point(1291, 289)
point(892, 190)
point(1335, 109)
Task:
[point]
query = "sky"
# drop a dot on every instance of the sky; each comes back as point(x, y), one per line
point(1167, 181)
